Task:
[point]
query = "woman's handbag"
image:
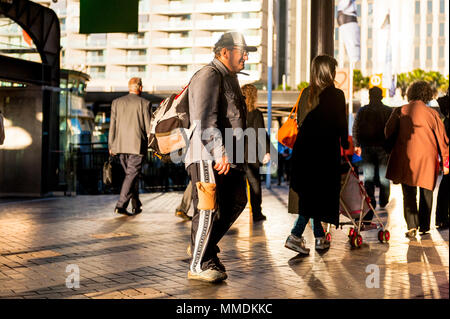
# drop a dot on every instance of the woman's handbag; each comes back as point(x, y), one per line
point(287, 134)
point(107, 171)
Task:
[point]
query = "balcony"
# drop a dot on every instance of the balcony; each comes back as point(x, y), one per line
point(96, 43)
point(251, 6)
point(174, 8)
point(95, 60)
point(180, 76)
point(128, 44)
point(173, 26)
point(125, 76)
point(227, 24)
point(97, 75)
point(173, 42)
point(172, 59)
point(126, 60)
point(210, 41)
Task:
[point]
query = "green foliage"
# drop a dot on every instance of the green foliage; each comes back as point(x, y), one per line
point(360, 81)
point(280, 88)
point(438, 82)
point(302, 85)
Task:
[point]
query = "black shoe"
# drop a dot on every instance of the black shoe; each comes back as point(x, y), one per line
point(137, 210)
point(259, 217)
point(122, 211)
point(411, 233)
point(442, 226)
point(215, 263)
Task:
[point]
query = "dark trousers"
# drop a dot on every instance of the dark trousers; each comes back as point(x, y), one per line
point(132, 165)
point(417, 218)
point(209, 226)
point(254, 181)
point(374, 163)
point(443, 201)
point(186, 200)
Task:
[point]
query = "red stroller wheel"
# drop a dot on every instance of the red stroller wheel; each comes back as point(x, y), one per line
point(387, 235)
point(357, 241)
point(351, 232)
point(381, 236)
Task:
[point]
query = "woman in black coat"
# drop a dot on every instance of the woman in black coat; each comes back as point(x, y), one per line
point(316, 156)
point(255, 120)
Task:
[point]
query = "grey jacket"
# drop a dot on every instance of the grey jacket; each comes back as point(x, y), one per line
point(215, 102)
point(130, 125)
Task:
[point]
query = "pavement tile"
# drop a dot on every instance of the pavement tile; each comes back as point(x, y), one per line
point(144, 256)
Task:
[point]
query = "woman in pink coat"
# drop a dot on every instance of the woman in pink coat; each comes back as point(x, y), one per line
point(414, 160)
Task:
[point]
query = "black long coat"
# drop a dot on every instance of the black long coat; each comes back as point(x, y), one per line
point(316, 158)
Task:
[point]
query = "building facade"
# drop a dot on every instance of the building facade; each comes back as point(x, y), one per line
point(418, 36)
point(175, 38)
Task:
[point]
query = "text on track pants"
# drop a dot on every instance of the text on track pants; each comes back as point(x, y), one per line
point(210, 225)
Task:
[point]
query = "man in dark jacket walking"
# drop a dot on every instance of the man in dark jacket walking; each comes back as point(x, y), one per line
point(128, 137)
point(216, 109)
point(369, 142)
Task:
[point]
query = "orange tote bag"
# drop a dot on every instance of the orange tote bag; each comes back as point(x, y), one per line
point(287, 134)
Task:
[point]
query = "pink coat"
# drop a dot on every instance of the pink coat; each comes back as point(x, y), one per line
point(414, 160)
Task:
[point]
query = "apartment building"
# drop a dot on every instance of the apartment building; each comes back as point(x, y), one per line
point(175, 38)
point(418, 36)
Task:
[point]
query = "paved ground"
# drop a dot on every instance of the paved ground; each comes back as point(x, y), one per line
point(43, 243)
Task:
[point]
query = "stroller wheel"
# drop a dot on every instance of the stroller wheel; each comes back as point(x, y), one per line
point(387, 235)
point(357, 241)
point(381, 236)
point(328, 236)
point(351, 232)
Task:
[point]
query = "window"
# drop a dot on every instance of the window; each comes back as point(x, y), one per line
point(369, 33)
point(441, 52)
point(369, 54)
point(358, 10)
point(417, 7)
point(177, 68)
point(417, 53)
point(429, 29)
point(430, 7)
point(442, 6)
point(336, 34)
point(370, 9)
point(428, 53)
point(441, 29)
point(417, 30)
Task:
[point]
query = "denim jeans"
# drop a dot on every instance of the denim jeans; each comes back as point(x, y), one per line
point(374, 164)
point(300, 225)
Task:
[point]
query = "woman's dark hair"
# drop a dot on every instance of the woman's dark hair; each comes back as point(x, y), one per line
point(323, 72)
point(420, 91)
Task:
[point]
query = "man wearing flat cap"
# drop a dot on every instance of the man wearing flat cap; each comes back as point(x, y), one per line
point(216, 106)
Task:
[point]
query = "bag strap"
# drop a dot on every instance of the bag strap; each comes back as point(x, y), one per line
point(295, 108)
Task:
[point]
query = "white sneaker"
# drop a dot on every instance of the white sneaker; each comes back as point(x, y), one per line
point(296, 244)
point(208, 275)
point(322, 243)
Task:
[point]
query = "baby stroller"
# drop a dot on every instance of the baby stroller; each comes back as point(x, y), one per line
point(355, 204)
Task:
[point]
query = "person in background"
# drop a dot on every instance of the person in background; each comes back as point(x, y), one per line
point(284, 156)
point(316, 179)
point(2, 129)
point(443, 198)
point(413, 162)
point(182, 209)
point(369, 142)
point(255, 120)
point(128, 138)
